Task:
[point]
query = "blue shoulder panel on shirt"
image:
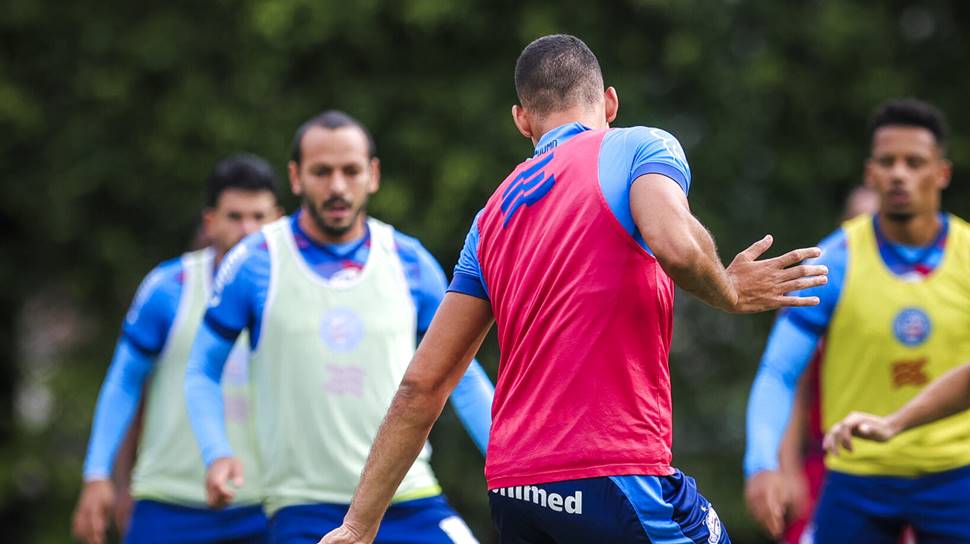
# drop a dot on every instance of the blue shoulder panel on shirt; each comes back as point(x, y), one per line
point(153, 309)
point(628, 153)
point(468, 272)
point(425, 277)
point(835, 256)
point(240, 284)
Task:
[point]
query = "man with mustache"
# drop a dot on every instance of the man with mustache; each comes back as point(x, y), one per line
point(895, 315)
point(333, 301)
point(149, 363)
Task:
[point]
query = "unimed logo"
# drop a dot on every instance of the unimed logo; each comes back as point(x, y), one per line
point(571, 504)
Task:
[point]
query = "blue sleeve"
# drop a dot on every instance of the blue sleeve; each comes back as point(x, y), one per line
point(243, 277)
point(153, 309)
point(472, 401)
point(656, 151)
point(628, 153)
point(789, 350)
point(143, 336)
point(117, 404)
point(468, 278)
point(425, 277)
point(835, 257)
point(203, 393)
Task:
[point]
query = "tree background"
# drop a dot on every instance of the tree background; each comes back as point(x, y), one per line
point(112, 114)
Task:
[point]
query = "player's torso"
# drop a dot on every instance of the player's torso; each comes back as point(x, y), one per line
point(169, 467)
point(330, 357)
point(584, 322)
point(888, 339)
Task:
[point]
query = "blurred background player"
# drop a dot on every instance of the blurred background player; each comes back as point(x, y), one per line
point(151, 356)
point(801, 458)
point(570, 257)
point(894, 316)
point(333, 301)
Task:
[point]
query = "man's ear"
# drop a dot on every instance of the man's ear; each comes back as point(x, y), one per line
point(521, 118)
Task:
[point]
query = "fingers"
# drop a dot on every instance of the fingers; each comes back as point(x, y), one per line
point(804, 271)
point(804, 283)
point(758, 248)
point(796, 256)
point(796, 301)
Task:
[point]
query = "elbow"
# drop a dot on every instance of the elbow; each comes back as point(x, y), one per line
point(678, 259)
point(420, 400)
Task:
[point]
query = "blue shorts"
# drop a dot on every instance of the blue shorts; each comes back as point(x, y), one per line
point(615, 509)
point(159, 522)
point(874, 509)
point(428, 520)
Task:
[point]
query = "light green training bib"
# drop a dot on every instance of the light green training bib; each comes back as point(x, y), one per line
point(330, 358)
point(169, 467)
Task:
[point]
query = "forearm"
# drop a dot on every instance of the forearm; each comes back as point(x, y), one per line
point(948, 395)
point(454, 337)
point(115, 409)
point(790, 452)
point(472, 401)
point(401, 437)
point(203, 394)
point(695, 267)
point(788, 351)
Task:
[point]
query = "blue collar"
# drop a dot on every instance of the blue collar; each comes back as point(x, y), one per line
point(337, 250)
point(911, 254)
point(558, 135)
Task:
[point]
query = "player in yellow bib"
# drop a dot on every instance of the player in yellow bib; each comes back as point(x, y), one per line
point(151, 356)
point(895, 315)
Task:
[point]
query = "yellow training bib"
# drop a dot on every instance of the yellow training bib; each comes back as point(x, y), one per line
point(888, 339)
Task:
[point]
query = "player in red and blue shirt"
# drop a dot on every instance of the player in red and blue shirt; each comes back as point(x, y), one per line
point(574, 257)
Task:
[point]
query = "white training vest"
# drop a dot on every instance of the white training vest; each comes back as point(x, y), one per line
point(330, 358)
point(169, 466)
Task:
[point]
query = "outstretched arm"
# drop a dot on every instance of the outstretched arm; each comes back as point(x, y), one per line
point(944, 397)
point(452, 340)
point(687, 253)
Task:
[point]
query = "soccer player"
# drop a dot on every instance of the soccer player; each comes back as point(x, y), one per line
point(151, 356)
point(333, 301)
point(894, 315)
point(573, 256)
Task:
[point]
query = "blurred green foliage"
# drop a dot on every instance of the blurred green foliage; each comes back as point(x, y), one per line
point(112, 113)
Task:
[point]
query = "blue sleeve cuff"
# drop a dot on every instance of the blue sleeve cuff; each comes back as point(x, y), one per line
point(663, 169)
point(468, 285)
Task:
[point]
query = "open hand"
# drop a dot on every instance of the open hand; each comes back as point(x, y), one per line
point(765, 284)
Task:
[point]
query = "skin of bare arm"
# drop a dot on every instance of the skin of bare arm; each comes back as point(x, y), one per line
point(455, 334)
point(686, 251)
point(948, 395)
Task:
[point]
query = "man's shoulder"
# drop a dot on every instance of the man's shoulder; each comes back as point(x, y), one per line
point(161, 285)
point(251, 253)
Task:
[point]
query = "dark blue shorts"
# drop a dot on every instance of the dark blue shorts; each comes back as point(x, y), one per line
point(616, 509)
point(429, 520)
point(158, 522)
point(874, 509)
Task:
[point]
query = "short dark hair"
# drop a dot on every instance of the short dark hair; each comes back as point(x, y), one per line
point(330, 119)
point(241, 171)
point(555, 72)
point(909, 112)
